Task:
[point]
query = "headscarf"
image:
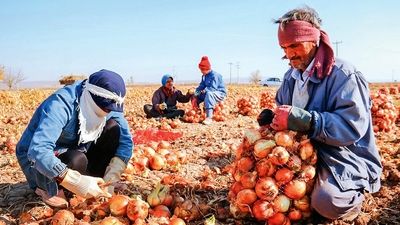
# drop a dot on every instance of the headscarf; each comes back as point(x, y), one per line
point(92, 118)
point(300, 31)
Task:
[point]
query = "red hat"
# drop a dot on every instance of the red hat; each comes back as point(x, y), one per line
point(204, 63)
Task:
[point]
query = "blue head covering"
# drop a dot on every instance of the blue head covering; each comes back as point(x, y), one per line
point(112, 82)
point(165, 78)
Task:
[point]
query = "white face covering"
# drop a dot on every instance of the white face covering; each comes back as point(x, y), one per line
point(92, 118)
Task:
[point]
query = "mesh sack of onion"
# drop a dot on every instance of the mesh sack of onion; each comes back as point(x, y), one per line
point(274, 174)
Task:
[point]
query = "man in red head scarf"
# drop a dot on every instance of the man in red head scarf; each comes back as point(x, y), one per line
point(327, 99)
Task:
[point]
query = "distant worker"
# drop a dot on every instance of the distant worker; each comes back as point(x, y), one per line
point(77, 139)
point(165, 99)
point(211, 89)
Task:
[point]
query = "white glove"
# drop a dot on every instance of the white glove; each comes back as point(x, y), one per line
point(84, 186)
point(162, 106)
point(113, 173)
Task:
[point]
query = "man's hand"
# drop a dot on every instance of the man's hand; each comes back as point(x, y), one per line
point(162, 106)
point(292, 118)
point(84, 186)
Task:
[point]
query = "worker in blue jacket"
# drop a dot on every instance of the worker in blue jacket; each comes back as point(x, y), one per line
point(211, 89)
point(329, 99)
point(77, 139)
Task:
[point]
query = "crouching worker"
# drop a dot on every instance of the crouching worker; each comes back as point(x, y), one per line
point(77, 139)
point(165, 99)
point(211, 89)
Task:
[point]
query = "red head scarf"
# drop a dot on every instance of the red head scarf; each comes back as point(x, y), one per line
point(299, 31)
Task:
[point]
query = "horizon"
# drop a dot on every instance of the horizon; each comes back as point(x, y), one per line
point(45, 40)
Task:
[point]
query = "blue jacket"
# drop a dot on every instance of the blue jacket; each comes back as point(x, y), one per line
point(212, 82)
point(342, 131)
point(54, 127)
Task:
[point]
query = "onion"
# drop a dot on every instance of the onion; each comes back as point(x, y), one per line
point(137, 208)
point(148, 151)
point(245, 164)
point(308, 172)
point(63, 217)
point(236, 212)
point(118, 204)
point(251, 136)
point(295, 189)
point(263, 147)
point(279, 156)
point(110, 221)
point(266, 188)
point(164, 144)
point(281, 203)
point(295, 215)
point(160, 211)
point(265, 168)
point(306, 149)
point(302, 204)
point(283, 176)
point(278, 219)
point(283, 138)
point(157, 162)
point(249, 179)
point(245, 198)
point(237, 186)
point(294, 163)
point(176, 221)
point(262, 210)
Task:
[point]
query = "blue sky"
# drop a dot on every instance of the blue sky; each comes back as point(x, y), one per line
point(146, 39)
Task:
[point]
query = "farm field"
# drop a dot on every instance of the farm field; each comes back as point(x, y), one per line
point(201, 172)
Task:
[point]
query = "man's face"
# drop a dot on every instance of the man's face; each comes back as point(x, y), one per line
point(169, 84)
point(204, 72)
point(300, 54)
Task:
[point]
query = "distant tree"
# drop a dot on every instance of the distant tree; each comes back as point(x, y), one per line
point(255, 77)
point(1, 73)
point(13, 79)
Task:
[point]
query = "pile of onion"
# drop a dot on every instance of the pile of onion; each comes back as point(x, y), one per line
point(248, 106)
point(274, 174)
point(154, 156)
point(221, 112)
point(267, 100)
point(384, 112)
point(194, 116)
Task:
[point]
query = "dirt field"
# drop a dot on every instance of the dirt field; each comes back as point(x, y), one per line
point(210, 150)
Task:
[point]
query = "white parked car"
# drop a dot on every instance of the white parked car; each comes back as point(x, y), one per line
point(272, 81)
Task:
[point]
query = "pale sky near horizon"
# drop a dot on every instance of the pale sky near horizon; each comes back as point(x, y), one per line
point(146, 39)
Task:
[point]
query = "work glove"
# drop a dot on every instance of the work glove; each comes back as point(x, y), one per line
point(84, 186)
point(113, 173)
point(162, 106)
point(291, 118)
point(265, 117)
point(195, 105)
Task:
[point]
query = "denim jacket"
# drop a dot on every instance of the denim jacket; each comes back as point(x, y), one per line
point(212, 82)
point(342, 126)
point(53, 128)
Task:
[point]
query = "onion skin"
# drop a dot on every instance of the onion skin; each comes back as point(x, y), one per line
point(118, 204)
